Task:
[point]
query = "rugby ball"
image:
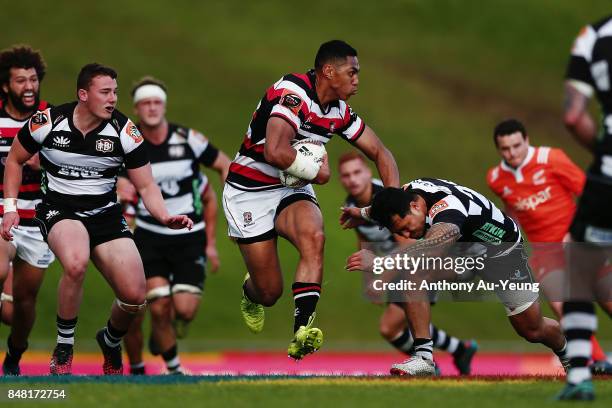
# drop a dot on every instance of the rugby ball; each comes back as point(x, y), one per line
point(310, 149)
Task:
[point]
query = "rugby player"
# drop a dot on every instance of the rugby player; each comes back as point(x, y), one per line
point(588, 74)
point(445, 213)
point(539, 186)
point(259, 208)
point(356, 178)
point(21, 71)
point(82, 145)
point(174, 260)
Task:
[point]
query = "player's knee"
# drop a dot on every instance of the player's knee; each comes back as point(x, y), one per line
point(531, 334)
point(186, 314)
point(387, 331)
point(160, 308)
point(268, 297)
point(133, 306)
point(74, 269)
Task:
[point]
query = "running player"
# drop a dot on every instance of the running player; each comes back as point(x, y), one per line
point(356, 178)
point(445, 213)
point(21, 72)
point(174, 260)
point(259, 208)
point(588, 74)
point(82, 146)
point(539, 186)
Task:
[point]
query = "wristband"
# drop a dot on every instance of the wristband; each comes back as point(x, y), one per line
point(364, 214)
point(10, 205)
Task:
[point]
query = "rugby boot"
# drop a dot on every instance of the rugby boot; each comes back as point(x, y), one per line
point(252, 313)
point(463, 361)
point(113, 362)
point(582, 391)
point(415, 366)
point(61, 360)
point(307, 340)
point(601, 367)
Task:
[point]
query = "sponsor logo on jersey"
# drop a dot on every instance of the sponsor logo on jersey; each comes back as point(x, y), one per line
point(291, 101)
point(247, 216)
point(132, 131)
point(538, 177)
point(507, 191)
point(176, 151)
point(39, 120)
point(61, 141)
point(533, 201)
point(490, 233)
point(104, 145)
point(437, 207)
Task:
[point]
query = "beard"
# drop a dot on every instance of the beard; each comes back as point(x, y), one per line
point(17, 102)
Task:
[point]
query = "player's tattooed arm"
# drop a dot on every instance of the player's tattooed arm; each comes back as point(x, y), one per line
point(576, 117)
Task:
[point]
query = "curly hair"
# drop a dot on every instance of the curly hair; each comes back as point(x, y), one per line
point(20, 56)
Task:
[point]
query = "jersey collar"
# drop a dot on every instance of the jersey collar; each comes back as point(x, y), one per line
point(518, 173)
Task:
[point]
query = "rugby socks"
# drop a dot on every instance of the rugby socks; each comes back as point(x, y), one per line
point(137, 368)
point(13, 354)
point(423, 348)
point(170, 356)
point(65, 331)
point(403, 341)
point(305, 296)
point(444, 341)
point(113, 336)
point(579, 322)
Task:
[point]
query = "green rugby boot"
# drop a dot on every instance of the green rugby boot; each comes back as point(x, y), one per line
point(582, 391)
point(252, 313)
point(306, 340)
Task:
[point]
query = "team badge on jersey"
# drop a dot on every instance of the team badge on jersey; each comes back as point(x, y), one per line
point(176, 151)
point(104, 145)
point(39, 120)
point(132, 131)
point(437, 207)
point(291, 101)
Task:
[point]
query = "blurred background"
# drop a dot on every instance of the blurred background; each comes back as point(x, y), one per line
point(436, 76)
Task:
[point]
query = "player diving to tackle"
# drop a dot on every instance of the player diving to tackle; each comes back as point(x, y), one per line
point(259, 208)
point(445, 213)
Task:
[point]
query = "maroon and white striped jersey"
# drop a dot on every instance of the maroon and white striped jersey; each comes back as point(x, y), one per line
point(294, 99)
point(29, 191)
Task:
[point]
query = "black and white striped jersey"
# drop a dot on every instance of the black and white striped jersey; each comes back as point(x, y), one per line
point(292, 98)
point(29, 192)
point(176, 169)
point(371, 232)
point(478, 219)
point(79, 172)
point(590, 70)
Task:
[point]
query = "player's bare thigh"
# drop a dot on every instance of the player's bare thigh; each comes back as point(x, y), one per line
point(7, 254)
point(185, 305)
point(69, 241)
point(120, 263)
point(302, 224)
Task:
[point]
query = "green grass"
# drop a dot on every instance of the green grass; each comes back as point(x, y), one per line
point(308, 392)
point(436, 76)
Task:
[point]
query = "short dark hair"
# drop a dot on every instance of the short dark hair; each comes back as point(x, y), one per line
point(147, 80)
point(20, 56)
point(391, 201)
point(90, 71)
point(331, 51)
point(508, 127)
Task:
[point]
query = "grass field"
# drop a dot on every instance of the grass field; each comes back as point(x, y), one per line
point(302, 392)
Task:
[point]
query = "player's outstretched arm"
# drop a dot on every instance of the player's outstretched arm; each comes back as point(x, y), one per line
point(576, 116)
point(142, 178)
point(13, 170)
point(373, 147)
point(209, 202)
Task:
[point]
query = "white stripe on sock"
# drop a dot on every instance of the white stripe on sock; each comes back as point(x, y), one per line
point(579, 374)
point(65, 340)
point(578, 348)
point(452, 346)
point(579, 320)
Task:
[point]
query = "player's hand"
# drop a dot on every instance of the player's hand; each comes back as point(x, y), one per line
point(178, 222)
point(9, 220)
point(213, 256)
point(324, 173)
point(351, 217)
point(362, 260)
